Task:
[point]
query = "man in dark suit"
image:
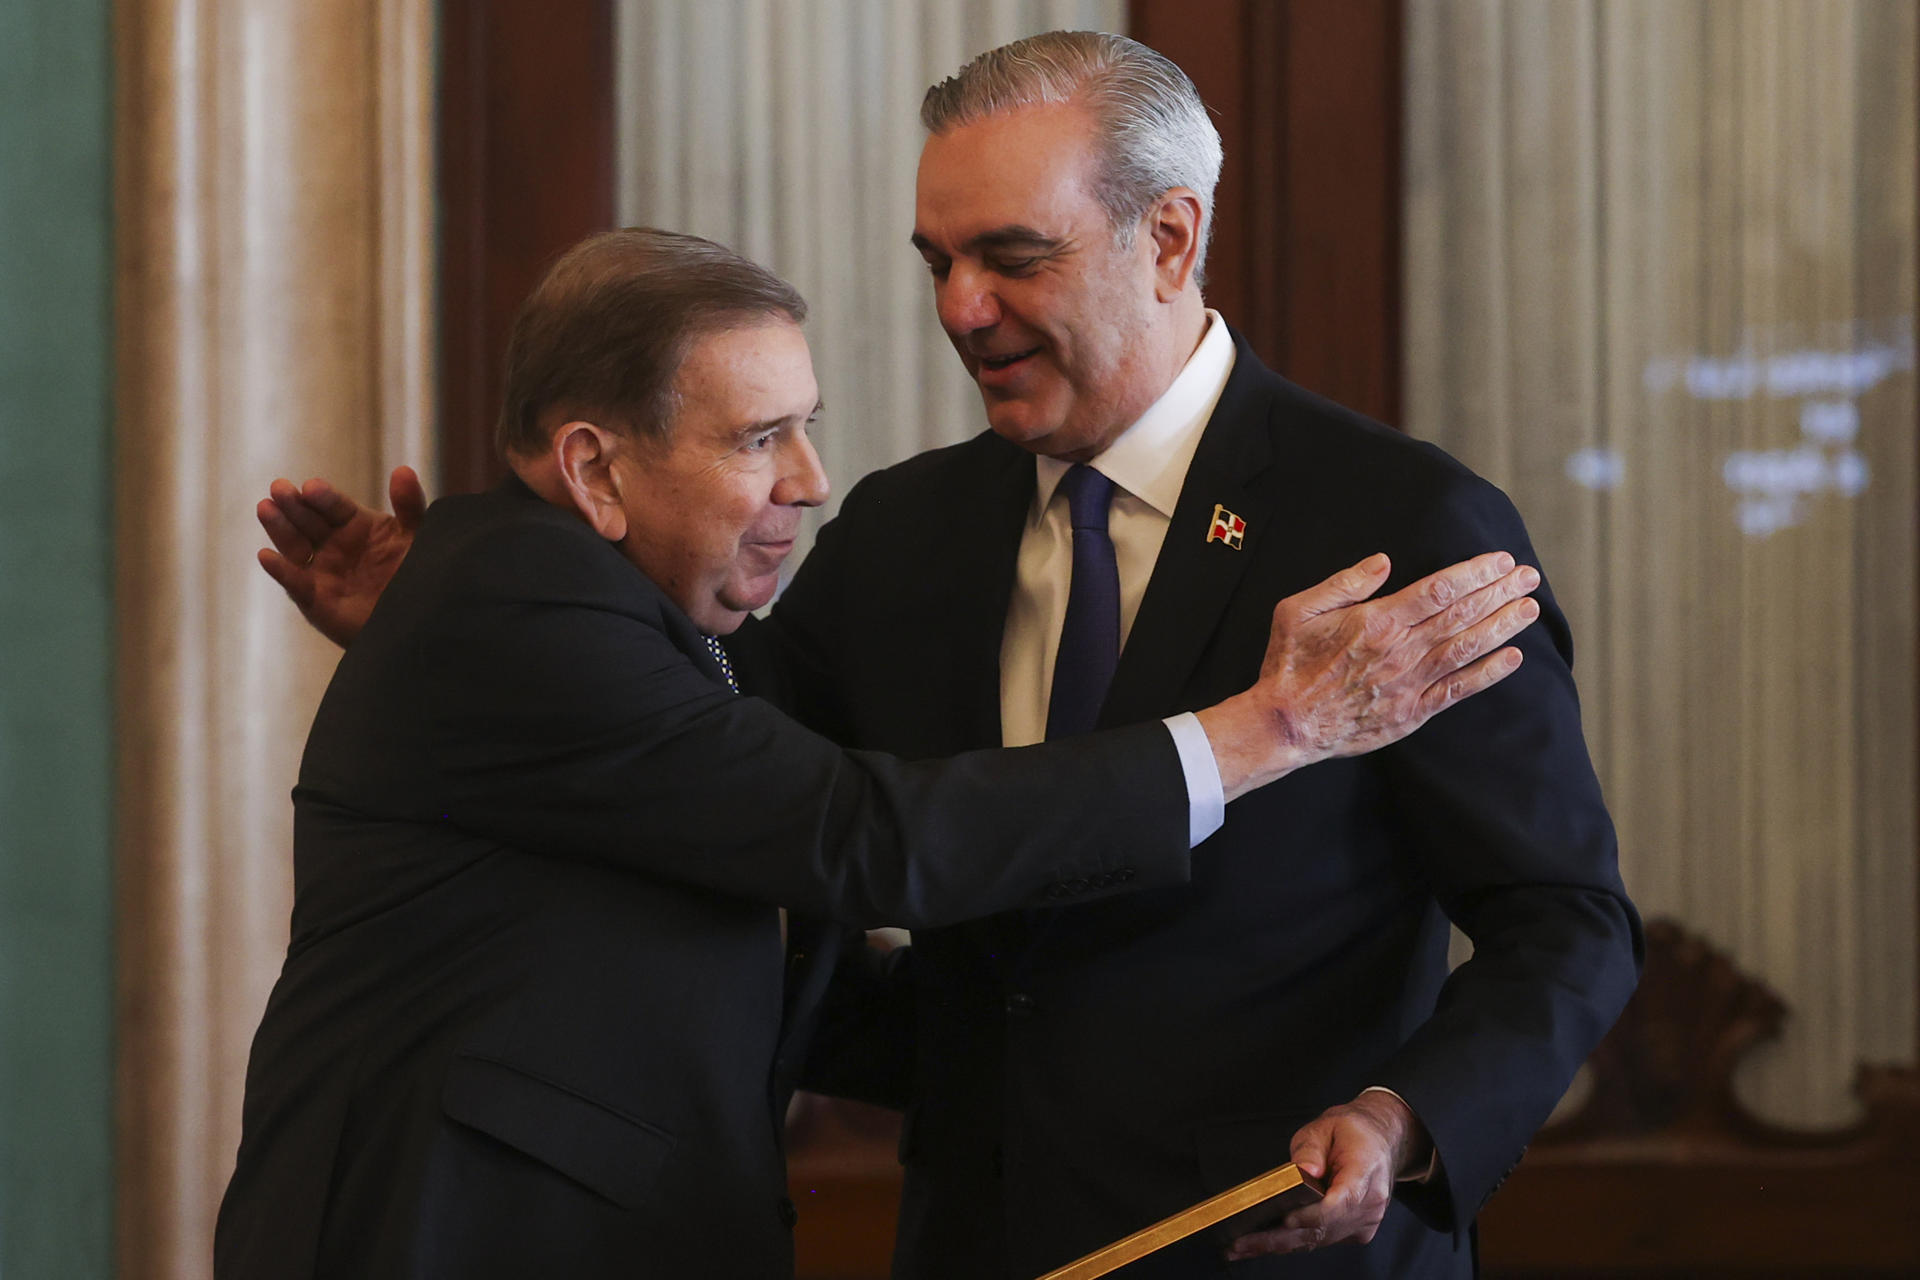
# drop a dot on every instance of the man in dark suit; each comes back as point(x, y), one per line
point(1081, 1072)
point(535, 1018)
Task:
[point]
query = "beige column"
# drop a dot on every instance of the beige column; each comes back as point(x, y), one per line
point(273, 310)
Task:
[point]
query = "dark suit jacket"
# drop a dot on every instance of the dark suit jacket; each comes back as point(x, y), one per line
point(530, 1022)
point(1076, 1077)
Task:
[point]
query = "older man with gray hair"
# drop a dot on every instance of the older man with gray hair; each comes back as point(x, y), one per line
point(1145, 487)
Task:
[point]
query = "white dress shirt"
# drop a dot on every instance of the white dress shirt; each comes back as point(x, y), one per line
point(1147, 464)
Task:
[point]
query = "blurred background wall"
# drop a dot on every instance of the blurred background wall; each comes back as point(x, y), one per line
point(56, 637)
point(1660, 287)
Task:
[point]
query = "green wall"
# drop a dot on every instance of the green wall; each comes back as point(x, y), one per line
point(56, 246)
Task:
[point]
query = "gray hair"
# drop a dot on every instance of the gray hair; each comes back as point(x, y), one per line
point(604, 334)
point(1154, 132)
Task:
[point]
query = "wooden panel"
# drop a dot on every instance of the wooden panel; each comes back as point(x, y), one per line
point(1655, 1218)
point(1341, 192)
point(1206, 38)
point(1664, 1172)
point(526, 169)
point(1306, 250)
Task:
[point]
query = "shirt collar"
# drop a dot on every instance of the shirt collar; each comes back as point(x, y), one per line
point(1150, 458)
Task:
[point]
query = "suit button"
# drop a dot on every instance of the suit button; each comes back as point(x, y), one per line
point(1020, 1005)
point(788, 1214)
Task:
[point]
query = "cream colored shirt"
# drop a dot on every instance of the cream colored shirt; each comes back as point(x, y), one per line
point(1147, 464)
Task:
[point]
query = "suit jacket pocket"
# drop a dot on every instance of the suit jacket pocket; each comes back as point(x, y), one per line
point(1233, 1150)
point(614, 1155)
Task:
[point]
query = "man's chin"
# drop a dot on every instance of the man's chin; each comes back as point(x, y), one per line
point(734, 606)
point(1017, 422)
point(1048, 438)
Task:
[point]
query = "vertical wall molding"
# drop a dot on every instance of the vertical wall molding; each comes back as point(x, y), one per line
point(273, 246)
point(1306, 249)
point(526, 146)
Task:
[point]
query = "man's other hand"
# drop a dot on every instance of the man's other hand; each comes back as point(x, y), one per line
point(334, 557)
point(1346, 674)
point(1359, 1149)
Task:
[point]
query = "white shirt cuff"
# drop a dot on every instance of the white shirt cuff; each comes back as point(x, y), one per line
point(1206, 798)
point(1433, 1157)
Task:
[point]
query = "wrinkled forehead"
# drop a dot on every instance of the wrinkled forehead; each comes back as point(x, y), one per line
point(1030, 166)
point(747, 375)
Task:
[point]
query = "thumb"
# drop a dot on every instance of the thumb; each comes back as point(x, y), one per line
point(1309, 1150)
point(408, 496)
point(1347, 587)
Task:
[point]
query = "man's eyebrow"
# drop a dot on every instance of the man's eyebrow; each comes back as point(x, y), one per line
point(751, 429)
point(1015, 236)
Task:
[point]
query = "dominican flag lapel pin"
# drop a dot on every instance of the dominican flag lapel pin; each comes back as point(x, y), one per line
point(1226, 527)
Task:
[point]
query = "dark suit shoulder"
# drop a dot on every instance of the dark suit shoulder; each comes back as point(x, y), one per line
point(941, 477)
point(1338, 467)
point(505, 610)
point(509, 544)
point(1350, 448)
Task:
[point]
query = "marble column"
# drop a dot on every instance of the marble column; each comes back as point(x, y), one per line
point(274, 273)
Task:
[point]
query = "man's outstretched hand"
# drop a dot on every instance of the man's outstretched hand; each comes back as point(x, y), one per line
point(1347, 674)
point(334, 557)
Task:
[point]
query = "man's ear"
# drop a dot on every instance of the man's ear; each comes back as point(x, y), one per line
point(583, 454)
point(1174, 226)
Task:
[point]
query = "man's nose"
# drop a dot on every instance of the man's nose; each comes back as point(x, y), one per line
point(802, 483)
point(966, 300)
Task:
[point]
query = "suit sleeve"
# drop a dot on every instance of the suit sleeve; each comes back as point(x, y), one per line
point(1499, 798)
point(540, 699)
point(862, 1040)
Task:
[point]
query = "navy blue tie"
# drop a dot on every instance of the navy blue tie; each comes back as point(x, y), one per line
point(1090, 634)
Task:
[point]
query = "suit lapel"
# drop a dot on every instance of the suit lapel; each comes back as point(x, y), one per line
point(996, 499)
point(1193, 579)
point(979, 583)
